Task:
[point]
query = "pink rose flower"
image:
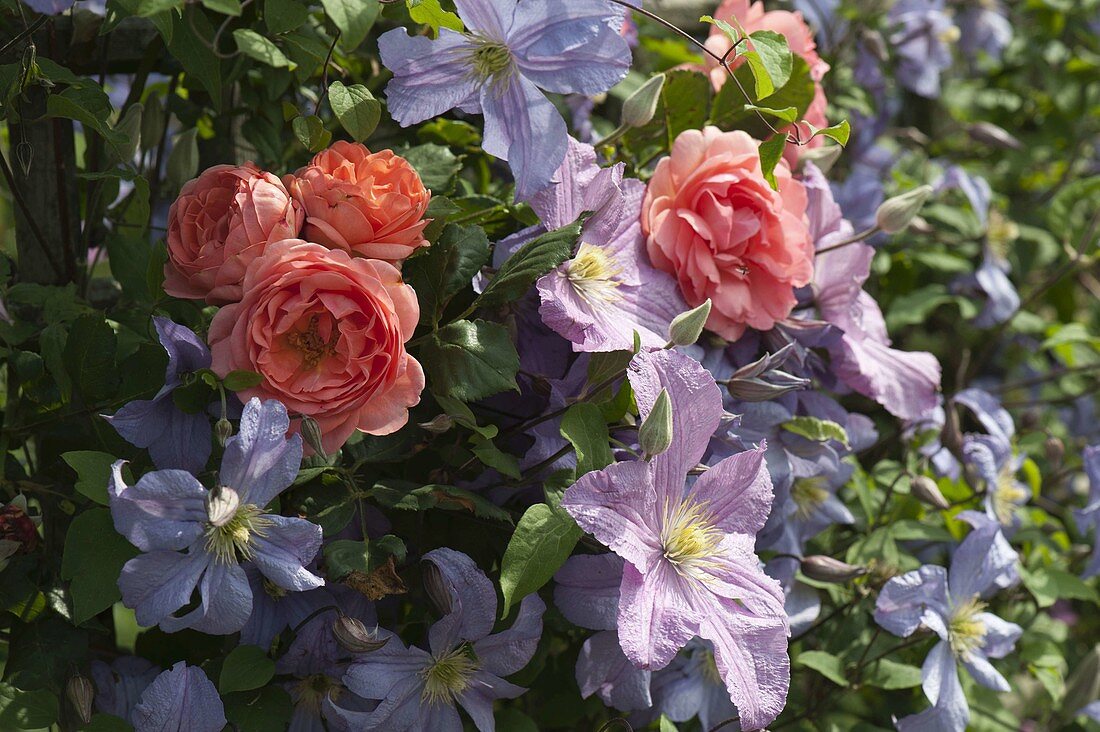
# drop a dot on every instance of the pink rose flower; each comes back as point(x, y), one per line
point(713, 222)
point(221, 221)
point(800, 39)
point(327, 332)
point(369, 204)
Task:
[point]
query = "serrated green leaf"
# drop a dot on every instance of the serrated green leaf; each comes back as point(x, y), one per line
point(470, 360)
point(532, 261)
point(444, 269)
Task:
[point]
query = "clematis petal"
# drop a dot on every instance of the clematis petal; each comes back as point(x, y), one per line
point(284, 550)
point(181, 699)
point(159, 583)
point(508, 651)
point(984, 561)
point(524, 128)
point(260, 461)
point(905, 599)
point(949, 712)
point(473, 600)
point(165, 509)
point(602, 669)
point(586, 590)
point(983, 672)
point(430, 76)
point(478, 698)
point(226, 603)
point(656, 615)
point(737, 492)
point(1000, 635)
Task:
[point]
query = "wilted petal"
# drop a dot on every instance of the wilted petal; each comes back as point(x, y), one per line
point(181, 699)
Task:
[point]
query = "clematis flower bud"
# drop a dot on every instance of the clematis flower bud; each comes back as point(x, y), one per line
point(924, 489)
point(990, 134)
point(1055, 450)
point(221, 505)
point(354, 636)
point(311, 433)
point(436, 587)
point(895, 213)
point(655, 434)
point(827, 569)
point(639, 107)
point(438, 425)
point(80, 694)
point(223, 430)
point(686, 327)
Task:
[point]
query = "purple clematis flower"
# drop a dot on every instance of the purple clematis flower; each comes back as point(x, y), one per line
point(586, 592)
point(608, 290)
point(984, 27)
point(50, 7)
point(510, 53)
point(197, 540)
point(181, 699)
point(922, 43)
point(690, 569)
point(1089, 516)
point(905, 383)
point(997, 465)
point(175, 439)
point(691, 687)
point(418, 689)
point(949, 603)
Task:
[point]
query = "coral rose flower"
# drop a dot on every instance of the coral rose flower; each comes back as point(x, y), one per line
point(800, 39)
point(221, 221)
point(369, 204)
point(713, 222)
point(327, 332)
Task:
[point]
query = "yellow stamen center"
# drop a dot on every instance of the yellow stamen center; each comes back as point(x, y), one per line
point(965, 630)
point(592, 274)
point(312, 690)
point(808, 494)
point(448, 676)
point(232, 541)
point(1007, 495)
point(690, 539)
point(490, 61)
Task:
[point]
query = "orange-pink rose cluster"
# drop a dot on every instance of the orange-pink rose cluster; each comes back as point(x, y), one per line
point(307, 270)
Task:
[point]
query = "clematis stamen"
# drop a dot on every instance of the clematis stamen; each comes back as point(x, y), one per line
point(690, 539)
point(593, 273)
point(490, 61)
point(231, 541)
point(448, 676)
point(1007, 495)
point(808, 494)
point(965, 631)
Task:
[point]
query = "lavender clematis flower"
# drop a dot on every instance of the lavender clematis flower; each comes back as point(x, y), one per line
point(175, 439)
point(905, 383)
point(120, 684)
point(690, 568)
point(50, 7)
point(922, 44)
point(997, 466)
point(587, 593)
point(984, 27)
point(197, 540)
point(949, 603)
point(1089, 516)
point(181, 699)
point(691, 686)
point(418, 689)
point(510, 54)
point(608, 289)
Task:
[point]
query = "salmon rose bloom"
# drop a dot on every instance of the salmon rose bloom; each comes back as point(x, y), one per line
point(713, 222)
point(221, 221)
point(327, 333)
point(368, 204)
point(800, 39)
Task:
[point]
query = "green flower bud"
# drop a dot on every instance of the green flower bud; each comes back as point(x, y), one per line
point(639, 107)
point(895, 213)
point(687, 327)
point(80, 693)
point(223, 430)
point(655, 434)
point(311, 433)
point(438, 424)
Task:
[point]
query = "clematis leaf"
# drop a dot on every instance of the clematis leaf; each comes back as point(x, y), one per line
point(543, 540)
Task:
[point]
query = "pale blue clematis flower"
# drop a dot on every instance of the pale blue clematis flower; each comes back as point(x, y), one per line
point(949, 603)
point(509, 55)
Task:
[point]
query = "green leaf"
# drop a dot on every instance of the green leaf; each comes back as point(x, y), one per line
point(731, 110)
point(90, 357)
point(192, 35)
point(839, 132)
point(225, 7)
point(494, 457)
point(241, 380)
point(825, 664)
point(356, 108)
point(913, 530)
point(544, 538)
point(470, 360)
point(1049, 585)
point(311, 132)
point(269, 708)
point(282, 16)
point(353, 18)
point(584, 426)
point(532, 261)
point(818, 430)
point(775, 56)
point(93, 471)
point(667, 725)
point(771, 152)
point(887, 674)
point(786, 114)
point(30, 710)
point(246, 667)
point(431, 13)
point(94, 555)
point(435, 164)
point(444, 269)
point(253, 45)
point(183, 161)
point(107, 723)
point(346, 556)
